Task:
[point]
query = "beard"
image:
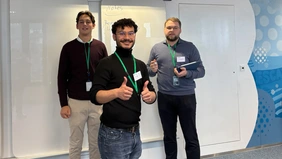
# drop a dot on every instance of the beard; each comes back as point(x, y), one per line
point(171, 38)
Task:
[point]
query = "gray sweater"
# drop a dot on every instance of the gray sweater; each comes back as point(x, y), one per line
point(161, 53)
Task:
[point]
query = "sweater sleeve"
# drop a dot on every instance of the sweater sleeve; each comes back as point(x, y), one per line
point(200, 71)
point(62, 77)
point(105, 52)
point(100, 80)
point(146, 77)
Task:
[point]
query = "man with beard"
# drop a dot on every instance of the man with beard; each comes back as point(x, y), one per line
point(119, 83)
point(176, 89)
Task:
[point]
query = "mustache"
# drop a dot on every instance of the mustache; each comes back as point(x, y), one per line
point(126, 40)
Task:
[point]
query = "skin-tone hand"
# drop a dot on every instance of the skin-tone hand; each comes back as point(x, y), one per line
point(154, 65)
point(147, 96)
point(65, 112)
point(182, 73)
point(124, 92)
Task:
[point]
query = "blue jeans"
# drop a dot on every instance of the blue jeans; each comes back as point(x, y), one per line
point(119, 143)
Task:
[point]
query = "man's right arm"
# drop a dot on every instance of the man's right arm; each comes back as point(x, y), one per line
point(152, 65)
point(62, 78)
point(104, 96)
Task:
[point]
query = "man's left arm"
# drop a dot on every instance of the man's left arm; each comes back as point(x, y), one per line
point(105, 52)
point(192, 74)
point(148, 93)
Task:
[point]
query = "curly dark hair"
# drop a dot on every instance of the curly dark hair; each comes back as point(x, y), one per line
point(86, 13)
point(123, 23)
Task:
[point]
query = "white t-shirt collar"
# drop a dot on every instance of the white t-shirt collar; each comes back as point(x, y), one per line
point(78, 38)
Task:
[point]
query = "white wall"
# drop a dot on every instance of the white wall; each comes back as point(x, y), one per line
point(40, 28)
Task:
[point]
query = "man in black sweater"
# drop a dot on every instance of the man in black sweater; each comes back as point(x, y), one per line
point(119, 83)
point(78, 60)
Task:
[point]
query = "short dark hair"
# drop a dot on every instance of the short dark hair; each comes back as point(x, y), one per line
point(123, 23)
point(85, 13)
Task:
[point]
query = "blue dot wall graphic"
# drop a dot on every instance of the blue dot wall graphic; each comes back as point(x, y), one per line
point(268, 127)
point(266, 66)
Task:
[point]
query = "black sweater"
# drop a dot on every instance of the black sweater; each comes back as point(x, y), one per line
point(109, 75)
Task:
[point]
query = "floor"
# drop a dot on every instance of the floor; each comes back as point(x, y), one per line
point(264, 152)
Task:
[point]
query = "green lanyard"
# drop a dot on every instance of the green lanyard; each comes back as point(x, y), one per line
point(172, 53)
point(134, 62)
point(87, 55)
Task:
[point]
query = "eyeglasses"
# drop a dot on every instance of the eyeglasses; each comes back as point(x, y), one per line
point(123, 34)
point(83, 22)
point(171, 27)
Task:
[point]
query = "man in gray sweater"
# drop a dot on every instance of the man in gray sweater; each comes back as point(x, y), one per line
point(176, 88)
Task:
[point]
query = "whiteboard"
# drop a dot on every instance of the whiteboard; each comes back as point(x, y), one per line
point(150, 17)
point(37, 38)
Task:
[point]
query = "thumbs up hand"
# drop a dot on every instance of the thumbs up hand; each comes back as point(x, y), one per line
point(147, 96)
point(124, 92)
